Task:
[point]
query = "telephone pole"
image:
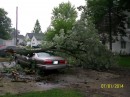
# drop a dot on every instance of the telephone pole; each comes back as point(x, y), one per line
point(16, 25)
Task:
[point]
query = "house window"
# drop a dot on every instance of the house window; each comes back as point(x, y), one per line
point(128, 24)
point(123, 44)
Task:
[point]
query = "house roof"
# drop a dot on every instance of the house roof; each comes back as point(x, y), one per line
point(13, 35)
point(38, 36)
point(21, 36)
point(30, 35)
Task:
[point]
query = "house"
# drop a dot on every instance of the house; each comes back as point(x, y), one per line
point(122, 43)
point(20, 39)
point(28, 38)
point(12, 40)
point(34, 39)
point(9, 42)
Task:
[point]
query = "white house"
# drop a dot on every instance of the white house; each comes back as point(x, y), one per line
point(34, 39)
point(9, 42)
point(122, 45)
point(28, 38)
point(20, 39)
point(12, 40)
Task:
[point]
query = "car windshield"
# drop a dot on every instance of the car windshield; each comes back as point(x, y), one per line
point(44, 54)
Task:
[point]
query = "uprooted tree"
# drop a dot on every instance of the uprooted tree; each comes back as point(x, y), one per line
point(80, 46)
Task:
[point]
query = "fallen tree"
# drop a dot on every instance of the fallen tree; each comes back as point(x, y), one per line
point(80, 46)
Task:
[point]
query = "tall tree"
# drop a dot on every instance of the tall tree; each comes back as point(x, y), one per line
point(64, 17)
point(108, 16)
point(5, 24)
point(37, 27)
point(124, 4)
point(14, 32)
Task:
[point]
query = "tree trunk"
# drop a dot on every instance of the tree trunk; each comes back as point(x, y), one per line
point(110, 24)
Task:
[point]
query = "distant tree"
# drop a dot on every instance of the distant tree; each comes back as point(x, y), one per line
point(64, 17)
point(108, 16)
point(5, 24)
point(37, 27)
point(13, 32)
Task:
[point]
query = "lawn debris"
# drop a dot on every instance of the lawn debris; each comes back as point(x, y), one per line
point(15, 75)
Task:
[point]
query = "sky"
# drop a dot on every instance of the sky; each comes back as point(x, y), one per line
point(31, 10)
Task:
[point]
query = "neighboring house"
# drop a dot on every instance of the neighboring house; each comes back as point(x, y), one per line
point(122, 43)
point(12, 41)
point(7, 42)
point(34, 39)
point(122, 46)
point(20, 39)
point(28, 38)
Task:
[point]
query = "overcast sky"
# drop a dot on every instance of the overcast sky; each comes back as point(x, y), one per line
point(30, 10)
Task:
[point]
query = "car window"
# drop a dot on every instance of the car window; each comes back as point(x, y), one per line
point(43, 55)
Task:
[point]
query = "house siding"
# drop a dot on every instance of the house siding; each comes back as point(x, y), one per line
point(7, 42)
point(116, 47)
point(34, 42)
point(27, 39)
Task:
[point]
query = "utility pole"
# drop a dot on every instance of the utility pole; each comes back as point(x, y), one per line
point(16, 25)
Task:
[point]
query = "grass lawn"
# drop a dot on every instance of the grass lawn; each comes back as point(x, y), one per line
point(49, 93)
point(124, 61)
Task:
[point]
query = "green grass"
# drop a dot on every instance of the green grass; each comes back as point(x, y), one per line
point(49, 93)
point(124, 61)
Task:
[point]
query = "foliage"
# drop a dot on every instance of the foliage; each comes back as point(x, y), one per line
point(64, 17)
point(124, 4)
point(49, 93)
point(99, 11)
point(108, 16)
point(5, 24)
point(13, 32)
point(124, 61)
point(37, 27)
point(49, 34)
point(82, 45)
